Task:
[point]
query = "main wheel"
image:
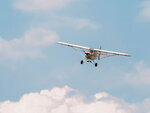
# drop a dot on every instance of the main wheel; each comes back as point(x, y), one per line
point(81, 62)
point(96, 64)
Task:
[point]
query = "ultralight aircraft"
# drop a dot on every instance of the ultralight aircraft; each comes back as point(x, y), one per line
point(92, 54)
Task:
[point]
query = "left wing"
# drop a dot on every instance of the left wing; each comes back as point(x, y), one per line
point(72, 45)
point(112, 52)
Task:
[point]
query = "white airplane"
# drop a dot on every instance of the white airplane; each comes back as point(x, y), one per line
point(92, 54)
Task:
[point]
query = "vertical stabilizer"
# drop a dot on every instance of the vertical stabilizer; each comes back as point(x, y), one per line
point(99, 53)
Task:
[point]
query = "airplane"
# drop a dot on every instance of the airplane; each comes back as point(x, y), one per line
point(93, 54)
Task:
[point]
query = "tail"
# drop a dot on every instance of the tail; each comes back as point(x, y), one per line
point(99, 53)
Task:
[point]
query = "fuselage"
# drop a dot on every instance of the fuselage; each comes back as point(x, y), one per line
point(91, 55)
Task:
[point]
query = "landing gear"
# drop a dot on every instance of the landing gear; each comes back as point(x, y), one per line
point(96, 64)
point(89, 61)
point(81, 62)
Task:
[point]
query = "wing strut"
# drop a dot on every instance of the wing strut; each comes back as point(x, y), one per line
point(79, 52)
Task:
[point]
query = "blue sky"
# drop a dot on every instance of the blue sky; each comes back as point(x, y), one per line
point(31, 60)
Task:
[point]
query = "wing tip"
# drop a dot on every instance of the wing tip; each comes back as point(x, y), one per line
point(57, 42)
point(129, 56)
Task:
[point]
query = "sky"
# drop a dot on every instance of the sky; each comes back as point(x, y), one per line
point(37, 73)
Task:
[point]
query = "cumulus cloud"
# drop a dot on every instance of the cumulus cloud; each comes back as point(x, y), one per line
point(29, 45)
point(58, 100)
point(39, 5)
point(145, 10)
point(140, 76)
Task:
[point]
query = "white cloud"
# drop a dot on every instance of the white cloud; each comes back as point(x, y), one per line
point(54, 20)
point(57, 100)
point(69, 22)
point(85, 23)
point(79, 23)
point(39, 5)
point(29, 45)
point(145, 10)
point(141, 76)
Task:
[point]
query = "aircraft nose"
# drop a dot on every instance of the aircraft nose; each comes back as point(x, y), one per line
point(87, 53)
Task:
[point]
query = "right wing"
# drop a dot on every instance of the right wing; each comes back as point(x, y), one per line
point(72, 45)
